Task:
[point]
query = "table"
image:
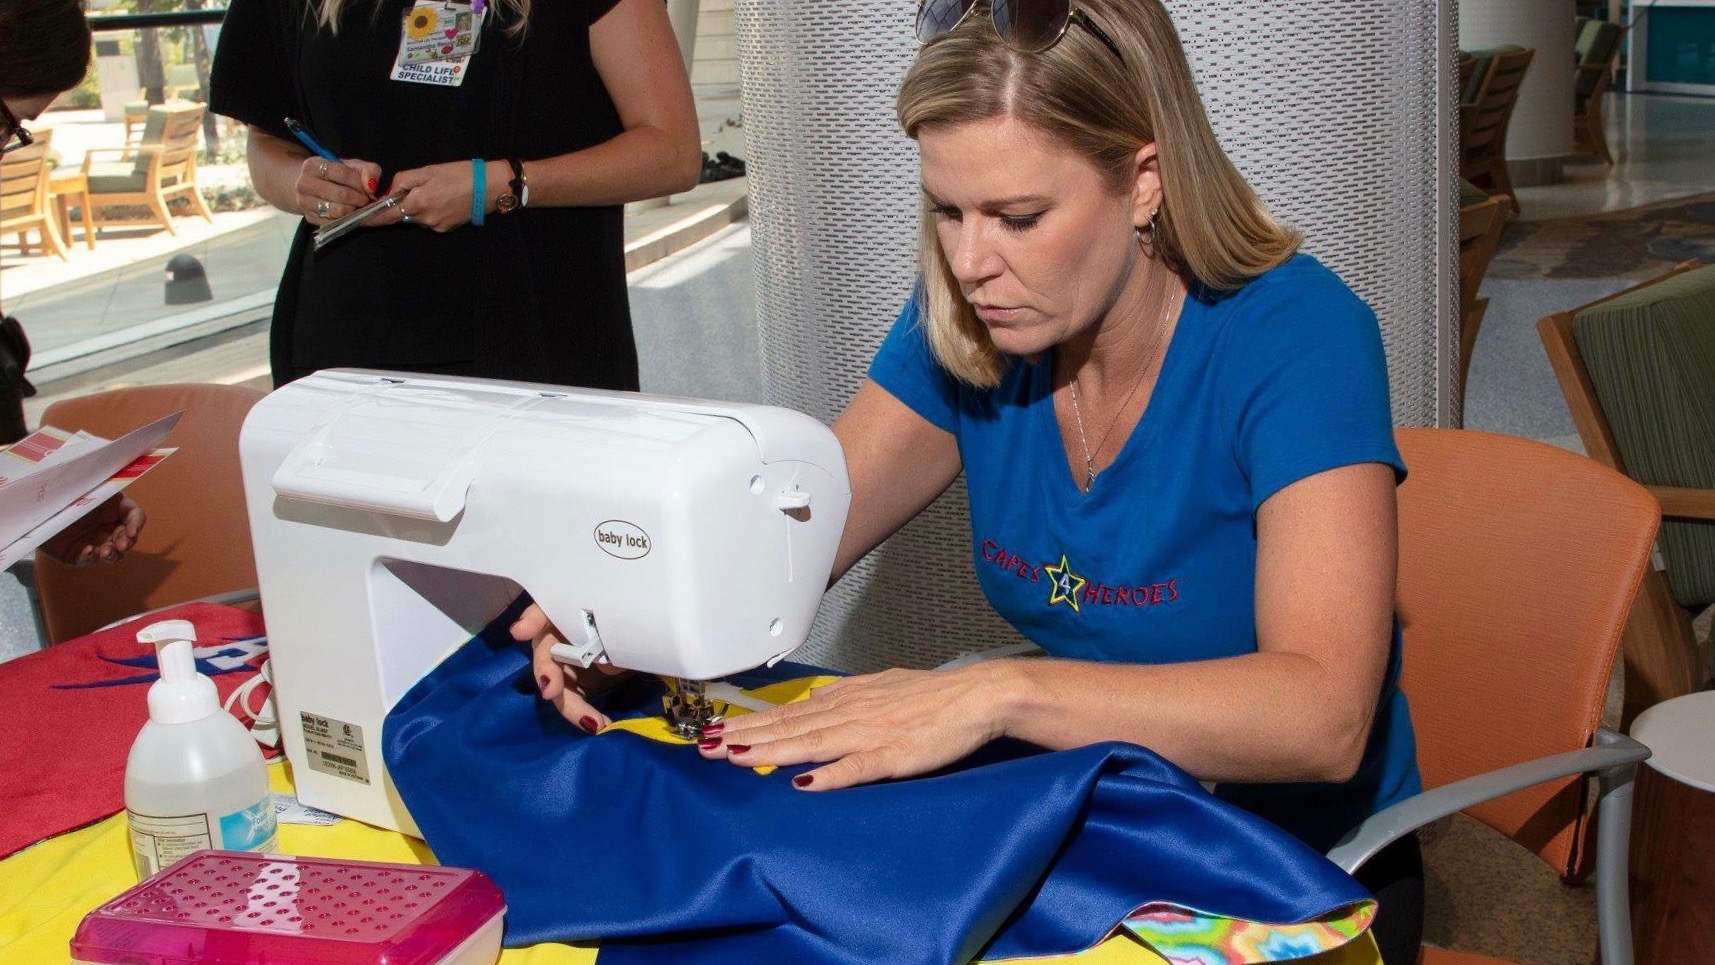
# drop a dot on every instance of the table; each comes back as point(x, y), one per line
point(47, 889)
point(63, 187)
point(1673, 834)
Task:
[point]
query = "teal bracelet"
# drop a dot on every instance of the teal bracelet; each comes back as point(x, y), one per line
point(478, 189)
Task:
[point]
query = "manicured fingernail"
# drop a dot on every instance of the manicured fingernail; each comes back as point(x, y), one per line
point(738, 748)
point(589, 724)
point(373, 184)
point(713, 730)
point(542, 681)
point(802, 780)
point(709, 743)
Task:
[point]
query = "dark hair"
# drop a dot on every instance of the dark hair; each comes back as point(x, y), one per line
point(44, 46)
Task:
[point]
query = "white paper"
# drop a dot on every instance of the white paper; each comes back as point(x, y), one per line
point(289, 810)
point(29, 542)
point(40, 481)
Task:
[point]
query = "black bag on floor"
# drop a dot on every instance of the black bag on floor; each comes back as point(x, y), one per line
point(14, 387)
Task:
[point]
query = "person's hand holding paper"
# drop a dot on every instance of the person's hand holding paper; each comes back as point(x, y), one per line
point(104, 535)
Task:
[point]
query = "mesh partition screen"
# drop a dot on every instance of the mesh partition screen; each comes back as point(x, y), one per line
point(1335, 110)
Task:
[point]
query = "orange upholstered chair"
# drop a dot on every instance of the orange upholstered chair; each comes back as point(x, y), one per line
point(197, 539)
point(1518, 562)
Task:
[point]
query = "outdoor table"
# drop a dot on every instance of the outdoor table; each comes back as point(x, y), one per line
point(63, 186)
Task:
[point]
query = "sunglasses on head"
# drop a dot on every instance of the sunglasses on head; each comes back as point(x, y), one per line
point(15, 135)
point(1027, 26)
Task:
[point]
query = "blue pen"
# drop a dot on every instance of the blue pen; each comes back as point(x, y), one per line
point(308, 141)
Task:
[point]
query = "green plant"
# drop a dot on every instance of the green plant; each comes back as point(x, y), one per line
point(84, 96)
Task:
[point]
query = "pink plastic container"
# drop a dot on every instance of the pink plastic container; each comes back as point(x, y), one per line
point(237, 908)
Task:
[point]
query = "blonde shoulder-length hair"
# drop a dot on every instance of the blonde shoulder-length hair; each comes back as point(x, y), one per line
point(515, 14)
point(1211, 225)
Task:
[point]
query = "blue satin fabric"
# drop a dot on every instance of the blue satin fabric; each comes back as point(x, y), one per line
point(663, 856)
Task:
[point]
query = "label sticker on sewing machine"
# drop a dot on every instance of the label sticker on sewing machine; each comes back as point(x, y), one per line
point(622, 540)
point(334, 747)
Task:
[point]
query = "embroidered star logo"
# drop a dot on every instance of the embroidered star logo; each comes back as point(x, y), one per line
point(1063, 584)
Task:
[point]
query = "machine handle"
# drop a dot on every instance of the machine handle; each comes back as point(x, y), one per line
point(440, 497)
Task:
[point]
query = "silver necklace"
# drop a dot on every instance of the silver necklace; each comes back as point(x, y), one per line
point(1078, 416)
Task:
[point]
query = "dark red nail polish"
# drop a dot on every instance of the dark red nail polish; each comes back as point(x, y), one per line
point(373, 184)
point(713, 730)
point(542, 681)
point(589, 724)
point(802, 780)
point(738, 748)
point(709, 743)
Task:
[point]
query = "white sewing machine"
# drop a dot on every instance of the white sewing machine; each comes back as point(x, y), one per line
point(394, 516)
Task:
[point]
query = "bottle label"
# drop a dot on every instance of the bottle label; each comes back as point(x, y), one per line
point(158, 841)
point(251, 829)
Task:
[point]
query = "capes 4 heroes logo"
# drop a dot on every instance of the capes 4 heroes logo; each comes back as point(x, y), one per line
point(622, 540)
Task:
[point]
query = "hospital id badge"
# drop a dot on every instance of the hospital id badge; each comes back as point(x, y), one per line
point(437, 39)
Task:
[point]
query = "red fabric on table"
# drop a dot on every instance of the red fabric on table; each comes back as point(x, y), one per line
point(62, 757)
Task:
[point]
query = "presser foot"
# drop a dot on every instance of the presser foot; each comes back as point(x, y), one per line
point(689, 707)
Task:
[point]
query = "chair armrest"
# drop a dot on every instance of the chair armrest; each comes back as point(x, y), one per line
point(1385, 827)
point(1679, 502)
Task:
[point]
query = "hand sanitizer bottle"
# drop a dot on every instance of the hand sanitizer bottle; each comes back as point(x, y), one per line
point(195, 778)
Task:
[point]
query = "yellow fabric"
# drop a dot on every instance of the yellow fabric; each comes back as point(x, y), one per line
point(46, 890)
point(784, 692)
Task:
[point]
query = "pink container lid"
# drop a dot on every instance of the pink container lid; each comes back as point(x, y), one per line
point(239, 908)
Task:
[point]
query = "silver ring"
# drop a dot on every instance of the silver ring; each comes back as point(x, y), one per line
point(323, 171)
point(322, 208)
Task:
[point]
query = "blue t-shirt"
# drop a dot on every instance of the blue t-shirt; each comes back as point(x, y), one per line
point(1261, 386)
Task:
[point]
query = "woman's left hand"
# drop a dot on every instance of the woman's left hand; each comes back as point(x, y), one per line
point(439, 195)
point(893, 724)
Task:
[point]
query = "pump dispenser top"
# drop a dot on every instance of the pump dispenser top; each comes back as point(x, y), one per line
point(181, 695)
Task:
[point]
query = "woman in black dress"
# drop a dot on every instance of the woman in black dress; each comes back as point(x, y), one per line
point(573, 107)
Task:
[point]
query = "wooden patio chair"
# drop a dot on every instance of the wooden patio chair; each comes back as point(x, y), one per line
point(152, 174)
point(1671, 448)
point(1483, 125)
point(1482, 218)
point(24, 207)
point(1598, 50)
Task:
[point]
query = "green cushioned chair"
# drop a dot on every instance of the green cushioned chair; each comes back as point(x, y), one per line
point(136, 115)
point(1651, 357)
point(1597, 51)
point(1485, 111)
point(160, 168)
point(1638, 370)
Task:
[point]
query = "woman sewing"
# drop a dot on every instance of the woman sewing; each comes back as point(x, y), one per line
point(1176, 425)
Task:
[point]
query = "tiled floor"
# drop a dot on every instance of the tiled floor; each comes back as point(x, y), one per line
point(1664, 147)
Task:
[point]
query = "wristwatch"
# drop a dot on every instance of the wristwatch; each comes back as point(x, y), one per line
point(517, 190)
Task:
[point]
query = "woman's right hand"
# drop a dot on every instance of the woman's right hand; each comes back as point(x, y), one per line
point(330, 190)
point(566, 686)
